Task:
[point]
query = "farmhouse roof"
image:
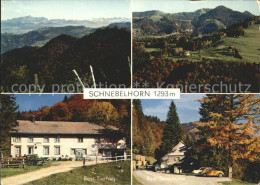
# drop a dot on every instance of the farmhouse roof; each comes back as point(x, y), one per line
point(59, 127)
point(177, 150)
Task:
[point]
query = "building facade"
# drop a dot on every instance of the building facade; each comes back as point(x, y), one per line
point(174, 157)
point(65, 139)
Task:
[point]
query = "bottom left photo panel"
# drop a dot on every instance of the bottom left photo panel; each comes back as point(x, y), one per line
point(64, 139)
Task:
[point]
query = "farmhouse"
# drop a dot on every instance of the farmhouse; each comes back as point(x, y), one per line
point(174, 157)
point(65, 139)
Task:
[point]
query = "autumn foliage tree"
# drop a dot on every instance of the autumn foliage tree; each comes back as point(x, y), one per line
point(234, 129)
point(60, 112)
point(102, 112)
point(147, 135)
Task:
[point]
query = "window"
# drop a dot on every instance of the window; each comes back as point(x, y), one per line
point(84, 152)
point(30, 150)
point(80, 139)
point(72, 151)
point(17, 139)
point(57, 150)
point(46, 150)
point(46, 140)
point(30, 140)
point(57, 139)
point(18, 150)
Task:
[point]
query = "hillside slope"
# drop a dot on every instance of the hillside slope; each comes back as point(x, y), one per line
point(41, 36)
point(217, 18)
point(107, 50)
point(203, 20)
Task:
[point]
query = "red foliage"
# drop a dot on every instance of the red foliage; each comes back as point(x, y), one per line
point(60, 112)
point(76, 102)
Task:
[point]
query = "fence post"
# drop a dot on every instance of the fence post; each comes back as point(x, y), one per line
point(116, 159)
point(84, 161)
point(23, 163)
point(96, 159)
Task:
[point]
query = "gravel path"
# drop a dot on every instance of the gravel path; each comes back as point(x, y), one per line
point(44, 172)
point(155, 178)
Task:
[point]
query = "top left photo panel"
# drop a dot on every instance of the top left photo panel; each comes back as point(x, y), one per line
point(55, 46)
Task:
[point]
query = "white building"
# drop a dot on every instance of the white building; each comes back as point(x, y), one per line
point(174, 157)
point(66, 139)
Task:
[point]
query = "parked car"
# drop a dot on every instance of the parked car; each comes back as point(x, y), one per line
point(198, 172)
point(209, 172)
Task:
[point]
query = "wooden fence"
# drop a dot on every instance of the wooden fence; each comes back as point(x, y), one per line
point(12, 162)
point(106, 159)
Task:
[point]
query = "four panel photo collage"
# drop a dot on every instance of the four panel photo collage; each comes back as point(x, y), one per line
point(53, 51)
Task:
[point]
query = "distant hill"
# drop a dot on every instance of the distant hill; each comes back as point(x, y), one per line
point(203, 20)
point(107, 50)
point(120, 25)
point(188, 127)
point(189, 15)
point(41, 36)
point(147, 13)
point(25, 24)
point(158, 23)
point(217, 18)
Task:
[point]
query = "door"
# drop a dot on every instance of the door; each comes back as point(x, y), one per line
point(17, 150)
point(30, 150)
point(79, 154)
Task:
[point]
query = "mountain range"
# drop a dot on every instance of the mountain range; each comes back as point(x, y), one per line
point(25, 24)
point(201, 21)
point(106, 49)
point(41, 36)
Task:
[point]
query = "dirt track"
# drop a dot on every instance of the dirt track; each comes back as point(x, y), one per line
point(155, 178)
point(44, 172)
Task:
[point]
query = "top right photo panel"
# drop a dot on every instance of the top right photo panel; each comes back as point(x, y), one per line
point(198, 46)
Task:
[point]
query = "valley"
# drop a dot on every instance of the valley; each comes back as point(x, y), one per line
point(205, 47)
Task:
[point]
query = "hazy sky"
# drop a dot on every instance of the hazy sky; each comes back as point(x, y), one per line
point(173, 6)
point(187, 107)
point(65, 9)
point(28, 102)
point(88, 9)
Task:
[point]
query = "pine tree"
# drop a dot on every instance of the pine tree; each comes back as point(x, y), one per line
point(138, 105)
point(172, 134)
point(191, 158)
point(234, 129)
point(8, 121)
point(208, 106)
point(211, 155)
point(65, 99)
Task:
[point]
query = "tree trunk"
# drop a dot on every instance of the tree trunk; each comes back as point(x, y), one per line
point(230, 171)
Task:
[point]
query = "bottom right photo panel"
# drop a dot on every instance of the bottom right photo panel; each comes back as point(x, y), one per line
point(197, 139)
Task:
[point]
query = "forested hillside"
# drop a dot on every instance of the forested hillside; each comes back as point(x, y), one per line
point(40, 36)
point(147, 134)
point(107, 50)
point(154, 23)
